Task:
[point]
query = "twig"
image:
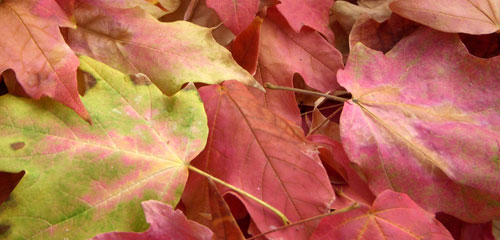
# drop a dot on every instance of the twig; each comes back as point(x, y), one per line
point(322, 108)
point(242, 192)
point(332, 97)
point(342, 210)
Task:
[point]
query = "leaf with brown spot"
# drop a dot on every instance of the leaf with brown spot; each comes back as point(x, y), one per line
point(35, 50)
point(170, 54)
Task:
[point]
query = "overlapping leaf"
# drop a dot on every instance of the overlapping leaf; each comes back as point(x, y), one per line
point(306, 53)
point(148, 5)
point(425, 120)
point(236, 15)
point(314, 13)
point(170, 54)
point(165, 223)
point(381, 36)
point(265, 155)
point(245, 47)
point(204, 204)
point(34, 49)
point(86, 179)
point(348, 14)
point(199, 13)
point(391, 216)
point(467, 16)
point(355, 188)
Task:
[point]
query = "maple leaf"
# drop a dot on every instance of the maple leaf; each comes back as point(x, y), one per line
point(424, 120)
point(165, 223)
point(392, 216)
point(82, 180)
point(236, 15)
point(306, 53)
point(466, 16)
point(170, 54)
point(35, 50)
point(313, 13)
point(266, 156)
point(59, 11)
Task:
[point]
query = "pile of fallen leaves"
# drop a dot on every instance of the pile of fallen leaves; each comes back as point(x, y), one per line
point(257, 119)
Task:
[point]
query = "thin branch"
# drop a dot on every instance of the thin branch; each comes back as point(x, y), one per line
point(332, 97)
point(342, 210)
point(242, 192)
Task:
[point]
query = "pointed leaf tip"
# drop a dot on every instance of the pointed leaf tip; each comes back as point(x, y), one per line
point(170, 54)
point(431, 121)
point(44, 65)
point(165, 223)
point(136, 149)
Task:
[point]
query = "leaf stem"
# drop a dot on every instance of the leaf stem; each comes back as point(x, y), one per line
point(332, 97)
point(242, 192)
point(342, 210)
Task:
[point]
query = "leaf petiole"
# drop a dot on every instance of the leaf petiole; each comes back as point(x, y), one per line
point(332, 97)
point(353, 206)
point(242, 192)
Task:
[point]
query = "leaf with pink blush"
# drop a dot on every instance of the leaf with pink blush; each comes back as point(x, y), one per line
point(34, 49)
point(90, 179)
point(314, 14)
point(60, 11)
point(258, 151)
point(164, 223)
point(68, 6)
point(306, 53)
point(424, 120)
point(465, 16)
point(170, 54)
point(236, 15)
point(391, 216)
